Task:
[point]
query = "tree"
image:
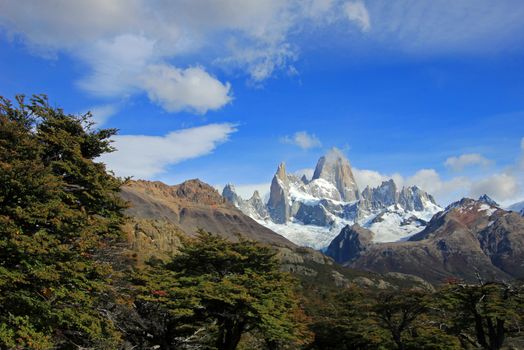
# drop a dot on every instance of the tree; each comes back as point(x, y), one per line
point(346, 323)
point(225, 288)
point(397, 312)
point(58, 208)
point(406, 316)
point(366, 319)
point(483, 315)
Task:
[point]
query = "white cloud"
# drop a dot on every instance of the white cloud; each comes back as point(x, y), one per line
point(372, 178)
point(426, 179)
point(57, 24)
point(448, 26)
point(357, 12)
point(119, 40)
point(466, 160)
point(144, 156)
point(303, 140)
point(246, 190)
point(445, 191)
point(116, 64)
point(125, 65)
point(252, 35)
point(308, 172)
point(185, 89)
point(502, 187)
point(101, 113)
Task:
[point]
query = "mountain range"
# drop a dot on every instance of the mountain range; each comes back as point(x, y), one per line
point(383, 236)
point(387, 229)
point(311, 212)
point(161, 217)
point(468, 240)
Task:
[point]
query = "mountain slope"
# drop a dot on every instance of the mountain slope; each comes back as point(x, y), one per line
point(469, 239)
point(193, 205)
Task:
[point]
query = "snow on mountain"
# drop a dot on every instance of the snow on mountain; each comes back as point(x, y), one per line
point(397, 224)
point(253, 207)
point(313, 212)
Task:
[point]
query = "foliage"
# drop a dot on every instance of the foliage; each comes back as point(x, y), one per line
point(225, 288)
point(483, 315)
point(367, 319)
point(58, 207)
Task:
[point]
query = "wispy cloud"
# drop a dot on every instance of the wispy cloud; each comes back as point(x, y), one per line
point(101, 113)
point(302, 139)
point(356, 11)
point(143, 156)
point(448, 26)
point(121, 40)
point(467, 160)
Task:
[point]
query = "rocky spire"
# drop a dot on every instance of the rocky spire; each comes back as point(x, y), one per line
point(278, 204)
point(229, 193)
point(257, 205)
point(413, 198)
point(335, 168)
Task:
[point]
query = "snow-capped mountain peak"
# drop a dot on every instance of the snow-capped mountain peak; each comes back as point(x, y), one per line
point(486, 199)
point(335, 168)
point(312, 213)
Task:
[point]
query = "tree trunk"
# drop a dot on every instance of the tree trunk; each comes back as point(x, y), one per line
point(229, 335)
point(479, 331)
point(397, 337)
point(496, 334)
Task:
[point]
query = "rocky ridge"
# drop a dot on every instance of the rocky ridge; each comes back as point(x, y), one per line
point(470, 238)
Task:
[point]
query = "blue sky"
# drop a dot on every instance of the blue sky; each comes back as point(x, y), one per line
point(427, 92)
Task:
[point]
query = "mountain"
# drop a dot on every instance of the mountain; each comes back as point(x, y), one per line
point(350, 243)
point(489, 201)
point(193, 205)
point(518, 207)
point(311, 212)
point(162, 216)
point(335, 169)
point(254, 207)
point(470, 238)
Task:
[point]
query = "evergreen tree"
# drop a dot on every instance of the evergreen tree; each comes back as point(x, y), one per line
point(58, 208)
point(227, 289)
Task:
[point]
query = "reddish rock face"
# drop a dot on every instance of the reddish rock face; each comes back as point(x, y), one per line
point(194, 205)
